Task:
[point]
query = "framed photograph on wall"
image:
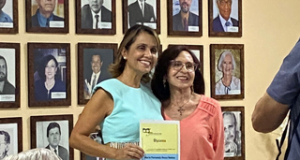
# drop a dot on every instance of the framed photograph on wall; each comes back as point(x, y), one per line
point(184, 18)
point(10, 75)
point(96, 17)
point(47, 17)
point(141, 12)
point(49, 74)
point(225, 18)
point(227, 71)
point(197, 50)
point(234, 133)
point(93, 62)
point(11, 136)
point(9, 16)
point(52, 132)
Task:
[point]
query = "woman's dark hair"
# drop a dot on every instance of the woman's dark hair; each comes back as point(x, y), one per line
point(161, 70)
point(117, 68)
point(43, 65)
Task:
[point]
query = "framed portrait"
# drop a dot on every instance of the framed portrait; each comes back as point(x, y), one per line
point(47, 17)
point(141, 12)
point(227, 71)
point(9, 16)
point(225, 18)
point(52, 132)
point(184, 17)
point(11, 136)
point(96, 17)
point(234, 133)
point(49, 74)
point(197, 50)
point(10, 75)
point(93, 62)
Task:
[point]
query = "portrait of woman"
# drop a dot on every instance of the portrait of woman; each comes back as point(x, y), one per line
point(229, 84)
point(179, 85)
point(49, 86)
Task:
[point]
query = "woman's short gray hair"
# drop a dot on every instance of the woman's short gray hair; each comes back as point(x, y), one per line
point(35, 154)
point(221, 59)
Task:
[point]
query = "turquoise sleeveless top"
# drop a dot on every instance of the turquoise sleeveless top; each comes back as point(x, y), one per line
point(130, 106)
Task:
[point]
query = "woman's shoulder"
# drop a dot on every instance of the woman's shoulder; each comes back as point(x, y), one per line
point(39, 82)
point(209, 105)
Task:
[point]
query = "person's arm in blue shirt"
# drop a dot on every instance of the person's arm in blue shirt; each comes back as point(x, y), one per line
point(268, 114)
point(282, 94)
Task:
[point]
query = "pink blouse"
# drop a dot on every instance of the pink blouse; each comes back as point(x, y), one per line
point(202, 132)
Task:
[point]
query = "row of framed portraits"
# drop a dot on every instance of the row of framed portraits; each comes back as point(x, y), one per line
point(43, 127)
point(49, 78)
point(99, 17)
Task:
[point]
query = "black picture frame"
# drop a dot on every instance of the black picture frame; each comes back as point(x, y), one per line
point(85, 27)
point(238, 132)
point(193, 29)
point(6, 125)
point(39, 124)
point(106, 52)
point(6, 100)
point(55, 25)
point(235, 90)
point(133, 9)
point(11, 27)
point(215, 25)
point(36, 54)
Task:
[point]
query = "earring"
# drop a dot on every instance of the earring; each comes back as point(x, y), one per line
point(124, 57)
point(164, 82)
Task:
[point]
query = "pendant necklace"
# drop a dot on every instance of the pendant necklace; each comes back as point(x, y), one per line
point(181, 109)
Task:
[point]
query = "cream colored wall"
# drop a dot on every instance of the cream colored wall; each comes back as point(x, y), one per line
point(270, 29)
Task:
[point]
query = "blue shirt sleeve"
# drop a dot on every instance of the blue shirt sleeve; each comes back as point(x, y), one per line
point(286, 84)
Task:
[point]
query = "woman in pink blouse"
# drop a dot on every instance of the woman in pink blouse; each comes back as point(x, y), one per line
point(179, 84)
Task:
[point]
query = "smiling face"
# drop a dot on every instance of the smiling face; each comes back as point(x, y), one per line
point(95, 5)
point(96, 63)
point(54, 137)
point(141, 55)
point(181, 78)
point(185, 5)
point(50, 69)
point(227, 65)
point(46, 6)
point(224, 8)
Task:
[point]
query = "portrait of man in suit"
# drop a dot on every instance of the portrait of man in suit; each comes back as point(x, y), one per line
point(96, 73)
point(44, 15)
point(5, 86)
point(223, 22)
point(54, 137)
point(4, 144)
point(140, 12)
point(4, 17)
point(184, 19)
point(95, 16)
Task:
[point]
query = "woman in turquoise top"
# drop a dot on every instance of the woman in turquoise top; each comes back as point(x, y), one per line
point(118, 104)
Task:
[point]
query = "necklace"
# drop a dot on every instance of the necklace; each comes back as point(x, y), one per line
point(49, 86)
point(181, 109)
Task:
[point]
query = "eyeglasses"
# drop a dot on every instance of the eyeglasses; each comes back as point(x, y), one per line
point(223, 3)
point(178, 65)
